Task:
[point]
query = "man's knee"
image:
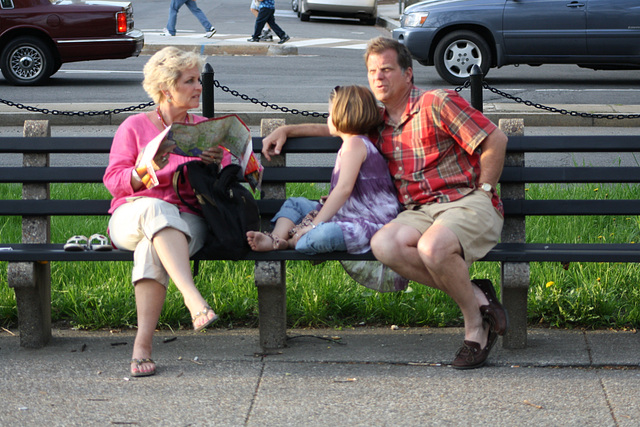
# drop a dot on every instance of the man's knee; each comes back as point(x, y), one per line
point(437, 244)
point(385, 242)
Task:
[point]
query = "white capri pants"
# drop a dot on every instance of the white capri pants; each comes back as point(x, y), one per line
point(134, 224)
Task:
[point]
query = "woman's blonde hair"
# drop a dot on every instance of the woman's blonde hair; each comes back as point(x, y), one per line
point(164, 69)
point(354, 110)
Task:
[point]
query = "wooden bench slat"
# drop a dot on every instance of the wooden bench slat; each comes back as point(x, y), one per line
point(573, 143)
point(504, 252)
point(571, 207)
point(566, 175)
point(51, 174)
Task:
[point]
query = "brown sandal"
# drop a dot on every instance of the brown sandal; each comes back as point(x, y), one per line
point(139, 362)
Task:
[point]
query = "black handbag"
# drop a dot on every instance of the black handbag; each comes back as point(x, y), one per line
point(228, 207)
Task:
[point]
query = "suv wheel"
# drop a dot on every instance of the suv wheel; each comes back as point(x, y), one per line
point(458, 52)
point(27, 60)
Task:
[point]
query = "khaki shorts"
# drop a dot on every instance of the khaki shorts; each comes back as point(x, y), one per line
point(473, 219)
point(133, 225)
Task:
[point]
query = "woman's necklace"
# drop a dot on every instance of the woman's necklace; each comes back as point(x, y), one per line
point(162, 118)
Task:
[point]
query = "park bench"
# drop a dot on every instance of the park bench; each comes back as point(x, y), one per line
point(28, 261)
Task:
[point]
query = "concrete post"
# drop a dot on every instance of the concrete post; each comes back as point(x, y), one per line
point(270, 277)
point(514, 275)
point(32, 280)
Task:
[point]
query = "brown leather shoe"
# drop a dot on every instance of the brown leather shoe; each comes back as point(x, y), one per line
point(470, 356)
point(494, 311)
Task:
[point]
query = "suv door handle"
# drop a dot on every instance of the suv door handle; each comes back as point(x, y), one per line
point(575, 4)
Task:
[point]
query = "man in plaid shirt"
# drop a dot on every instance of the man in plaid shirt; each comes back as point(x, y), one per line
point(445, 158)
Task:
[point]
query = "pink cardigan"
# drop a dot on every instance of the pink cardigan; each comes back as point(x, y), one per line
point(129, 141)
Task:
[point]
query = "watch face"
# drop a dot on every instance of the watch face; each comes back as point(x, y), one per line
point(486, 187)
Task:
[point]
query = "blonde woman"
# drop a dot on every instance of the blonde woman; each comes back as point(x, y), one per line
point(153, 223)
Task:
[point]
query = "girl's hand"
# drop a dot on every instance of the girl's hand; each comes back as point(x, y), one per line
point(212, 155)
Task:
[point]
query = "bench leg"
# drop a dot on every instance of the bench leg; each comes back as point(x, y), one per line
point(515, 286)
point(32, 284)
point(272, 303)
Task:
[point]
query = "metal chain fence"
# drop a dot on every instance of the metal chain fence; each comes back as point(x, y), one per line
point(76, 113)
point(265, 104)
point(539, 106)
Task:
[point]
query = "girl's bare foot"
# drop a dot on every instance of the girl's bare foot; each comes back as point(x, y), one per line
point(265, 242)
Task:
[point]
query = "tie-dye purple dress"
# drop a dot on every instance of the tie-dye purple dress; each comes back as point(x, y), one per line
point(372, 204)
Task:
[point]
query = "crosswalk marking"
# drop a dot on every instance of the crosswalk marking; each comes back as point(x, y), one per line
point(154, 36)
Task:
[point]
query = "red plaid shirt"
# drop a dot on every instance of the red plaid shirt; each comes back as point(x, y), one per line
point(432, 152)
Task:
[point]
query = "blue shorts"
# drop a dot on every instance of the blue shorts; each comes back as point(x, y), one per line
point(326, 237)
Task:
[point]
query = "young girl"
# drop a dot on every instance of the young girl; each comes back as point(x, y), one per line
point(361, 200)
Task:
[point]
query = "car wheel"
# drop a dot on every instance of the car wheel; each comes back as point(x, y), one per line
point(294, 5)
point(458, 52)
point(27, 60)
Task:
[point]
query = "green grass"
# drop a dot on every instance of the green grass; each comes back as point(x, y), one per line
point(100, 295)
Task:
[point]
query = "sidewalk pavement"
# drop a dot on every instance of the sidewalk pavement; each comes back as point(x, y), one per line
point(357, 377)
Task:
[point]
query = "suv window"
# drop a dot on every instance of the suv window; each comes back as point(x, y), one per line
point(6, 4)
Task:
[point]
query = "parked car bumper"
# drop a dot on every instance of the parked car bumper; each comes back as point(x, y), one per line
point(417, 40)
point(335, 7)
point(125, 46)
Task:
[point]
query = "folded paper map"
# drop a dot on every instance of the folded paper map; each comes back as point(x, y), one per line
point(187, 139)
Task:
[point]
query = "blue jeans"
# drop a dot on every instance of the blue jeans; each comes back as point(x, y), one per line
point(193, 7)
point(326, 237)
point(265, 16)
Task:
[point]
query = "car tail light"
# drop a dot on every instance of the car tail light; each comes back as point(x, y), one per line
point(121, 22)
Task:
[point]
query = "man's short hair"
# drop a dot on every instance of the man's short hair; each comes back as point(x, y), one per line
point(381, 44)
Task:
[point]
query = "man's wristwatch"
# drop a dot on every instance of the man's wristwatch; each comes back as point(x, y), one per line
point(486, 187)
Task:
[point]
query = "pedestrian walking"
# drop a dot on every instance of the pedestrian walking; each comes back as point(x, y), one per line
point(266, 12)
point(266, 33)
point(175, 6)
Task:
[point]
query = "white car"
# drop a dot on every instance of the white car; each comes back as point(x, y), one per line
point(364, 10)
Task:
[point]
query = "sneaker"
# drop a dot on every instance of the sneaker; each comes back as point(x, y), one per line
point(266, 35)
point(166, 32)
point(210, 33)
point(284, 39)
point(253, 40)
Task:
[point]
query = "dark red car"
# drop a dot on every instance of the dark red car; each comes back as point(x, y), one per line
point(38, 36)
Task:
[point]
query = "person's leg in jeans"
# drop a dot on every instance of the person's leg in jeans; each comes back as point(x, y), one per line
point(261, 20)
point(174, 7)
point(198, 13)
point(293, 210)
point(326, 237)
point(271, 20)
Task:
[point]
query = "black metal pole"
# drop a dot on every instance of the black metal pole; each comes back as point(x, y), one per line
point(207, 91)
point(475, 78)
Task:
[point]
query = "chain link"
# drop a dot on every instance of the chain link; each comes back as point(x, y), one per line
point(539, 106)
point(76, 113)
point(265, 104)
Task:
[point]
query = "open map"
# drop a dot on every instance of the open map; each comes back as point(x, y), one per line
point(191, 140)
